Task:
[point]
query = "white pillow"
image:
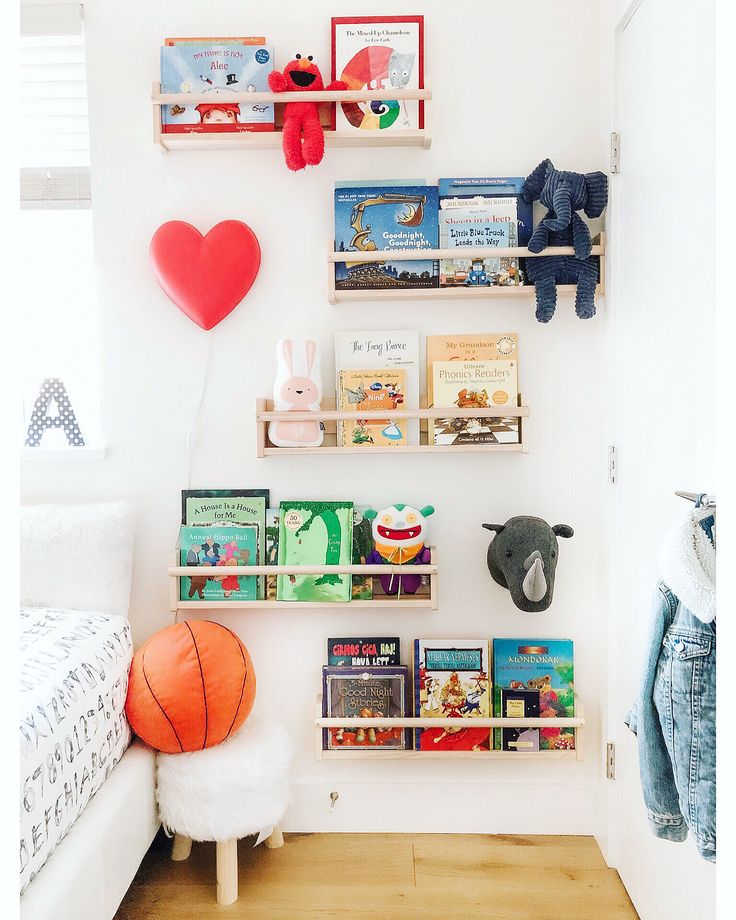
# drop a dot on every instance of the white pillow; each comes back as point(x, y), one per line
point(77, 556)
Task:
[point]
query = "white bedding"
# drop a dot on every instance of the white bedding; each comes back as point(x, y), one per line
point(73, 730)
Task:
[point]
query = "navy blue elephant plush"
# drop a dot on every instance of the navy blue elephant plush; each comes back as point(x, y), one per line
point(564, 194)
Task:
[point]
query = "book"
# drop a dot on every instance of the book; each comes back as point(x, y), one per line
point(207, 507)
point(272, 549)
point(392, 349)
point(483, 212)
point(546, 667)
point(370, 391)
point(475, 384)
point(315, 533)
point(374, 52)
point(200, 40)
point(215, 549)
point(210, 67)
point(451, 680)
point(520, 704)
point(363, 693)
point(362, 587)
point(382, 218)
point(354, 652)
point(483, 346)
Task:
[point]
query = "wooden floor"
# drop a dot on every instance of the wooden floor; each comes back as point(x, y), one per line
point(387, 877)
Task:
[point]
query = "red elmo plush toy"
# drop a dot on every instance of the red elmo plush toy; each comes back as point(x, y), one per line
point(304, 142)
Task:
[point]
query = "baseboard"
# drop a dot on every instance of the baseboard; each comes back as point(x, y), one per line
point(469, 808)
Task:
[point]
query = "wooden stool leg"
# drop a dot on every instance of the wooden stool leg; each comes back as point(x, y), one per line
point(181, 847)
point(227, 871)
point(276, 839)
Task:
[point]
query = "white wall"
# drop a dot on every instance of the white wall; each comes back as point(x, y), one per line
point(512, 83)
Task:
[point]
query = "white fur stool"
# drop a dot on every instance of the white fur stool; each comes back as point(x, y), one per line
point(225, 792)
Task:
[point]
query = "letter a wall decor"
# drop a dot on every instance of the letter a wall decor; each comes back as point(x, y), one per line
point(53, 390)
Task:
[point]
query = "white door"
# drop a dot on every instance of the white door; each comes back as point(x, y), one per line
point(661, 326)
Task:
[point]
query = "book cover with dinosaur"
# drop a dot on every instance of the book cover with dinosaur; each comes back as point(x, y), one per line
point(377, 52)
point(214, 550)
point(382, 218)
point(315, 533)
point(544, 666)
point(370, 391)
point(365, 693)
point(451, 680)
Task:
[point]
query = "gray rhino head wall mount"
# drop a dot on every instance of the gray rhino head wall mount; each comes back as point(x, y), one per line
point(523, 557)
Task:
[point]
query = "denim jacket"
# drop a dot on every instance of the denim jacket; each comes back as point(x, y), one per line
point(674, 716)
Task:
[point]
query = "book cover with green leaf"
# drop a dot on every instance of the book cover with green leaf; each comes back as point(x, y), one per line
point(315, 533)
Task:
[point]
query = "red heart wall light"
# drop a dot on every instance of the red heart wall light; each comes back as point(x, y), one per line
point(205, 276)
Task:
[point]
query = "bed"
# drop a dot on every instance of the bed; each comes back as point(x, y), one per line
point(87, 796)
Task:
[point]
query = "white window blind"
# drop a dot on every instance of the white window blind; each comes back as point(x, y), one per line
point(54, 152)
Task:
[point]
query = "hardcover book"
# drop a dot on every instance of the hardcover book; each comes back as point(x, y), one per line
point(315, 533)
point(370, 391)
point(483, 346)
point(451, 680)
point(216, 68)
point(483, 212)
point(354, 652)
point(382, 218)
point(475, 385)
point(394, 350)
point(365, 693)
point(214, 550)
point(208, 507)
point(272, 549)
point(377, 52)
point(362, 589)
point(520, 704)
point(546, 667)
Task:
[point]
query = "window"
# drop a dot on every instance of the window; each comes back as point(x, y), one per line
point(60, 333)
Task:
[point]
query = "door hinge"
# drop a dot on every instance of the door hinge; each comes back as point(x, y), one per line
point(612, 463)
point(615, 152)
point(610, 760)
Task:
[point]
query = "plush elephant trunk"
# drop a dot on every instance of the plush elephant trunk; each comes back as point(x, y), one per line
point(562, 206)
point(535, 584)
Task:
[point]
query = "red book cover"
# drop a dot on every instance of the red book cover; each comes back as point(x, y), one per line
point(373, 52)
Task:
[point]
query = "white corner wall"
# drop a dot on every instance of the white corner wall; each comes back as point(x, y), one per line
point(512, 83)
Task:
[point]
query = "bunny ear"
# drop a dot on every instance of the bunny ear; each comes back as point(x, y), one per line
point(311, 348)
point(287, 349)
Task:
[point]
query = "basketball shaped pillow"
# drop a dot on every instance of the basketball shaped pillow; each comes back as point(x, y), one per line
point(190, 687)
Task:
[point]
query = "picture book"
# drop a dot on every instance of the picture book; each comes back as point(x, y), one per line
point(215, 549)
point(370, 391)
point(475, 385)
point(382, 218)
point(394, 350)
point(214, 68)
point(485, 346)
point(520, 704)
point(365, 693)
point(362, 588)
point(378, 52)
point(315, 533)
point(199, 40)
point(542, 665)
point(483, 212)
point(272, 549)
point(451, 680)
point(205, 507)
point(377, 652)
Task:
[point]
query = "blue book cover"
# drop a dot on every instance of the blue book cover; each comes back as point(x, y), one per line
point(214, 550)
point(544, 666)
point(487, 212)
point(382, 218)
point(216, 68)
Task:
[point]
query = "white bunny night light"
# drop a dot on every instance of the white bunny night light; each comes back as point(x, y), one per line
point(292, 392)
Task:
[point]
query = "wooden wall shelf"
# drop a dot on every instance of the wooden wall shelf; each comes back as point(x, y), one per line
point(460, 292)
point(361, 753)
point(329, 416)
point(425, 598)
point(272, 139)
